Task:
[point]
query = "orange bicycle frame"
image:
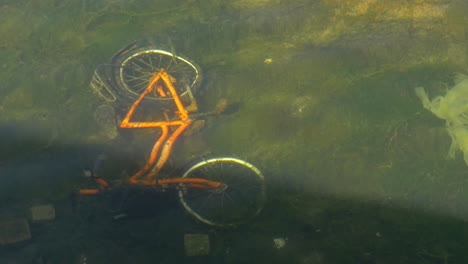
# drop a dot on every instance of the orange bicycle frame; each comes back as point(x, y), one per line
point(159, 83)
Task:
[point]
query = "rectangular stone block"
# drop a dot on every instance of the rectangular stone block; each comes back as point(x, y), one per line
point(14, 231)
point(196, 244)
point(45, 212)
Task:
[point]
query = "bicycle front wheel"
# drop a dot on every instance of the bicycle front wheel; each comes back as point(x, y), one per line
point(241, 199)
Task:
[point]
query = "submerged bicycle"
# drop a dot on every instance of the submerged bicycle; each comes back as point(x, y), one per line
point(222, 191)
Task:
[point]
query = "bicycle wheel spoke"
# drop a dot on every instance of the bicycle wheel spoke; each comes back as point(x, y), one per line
point(217, 175)
point(204, 203)
point(150, 62)
point(228, 196)
point(169, 65)
point(143, 78)
point(135, 64)
point(139, 83)
point(222, 170)
point(146, 63)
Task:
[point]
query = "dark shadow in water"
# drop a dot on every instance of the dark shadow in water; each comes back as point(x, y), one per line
point(140, 225)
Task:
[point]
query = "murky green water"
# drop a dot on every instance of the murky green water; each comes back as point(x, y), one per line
point(320, 98)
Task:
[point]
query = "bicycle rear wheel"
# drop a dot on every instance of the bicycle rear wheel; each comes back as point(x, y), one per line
point(241, 199)
point(137, 67)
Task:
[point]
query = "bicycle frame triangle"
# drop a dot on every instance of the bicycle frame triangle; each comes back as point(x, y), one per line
point(162, 83)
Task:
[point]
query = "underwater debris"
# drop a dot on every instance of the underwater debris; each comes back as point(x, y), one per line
point(453, 107)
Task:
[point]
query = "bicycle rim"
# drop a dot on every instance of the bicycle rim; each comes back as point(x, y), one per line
point(136, 70)
point(241, 200)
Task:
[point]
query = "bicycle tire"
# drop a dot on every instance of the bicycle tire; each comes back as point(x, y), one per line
point(241, 200)
point(135, 68)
